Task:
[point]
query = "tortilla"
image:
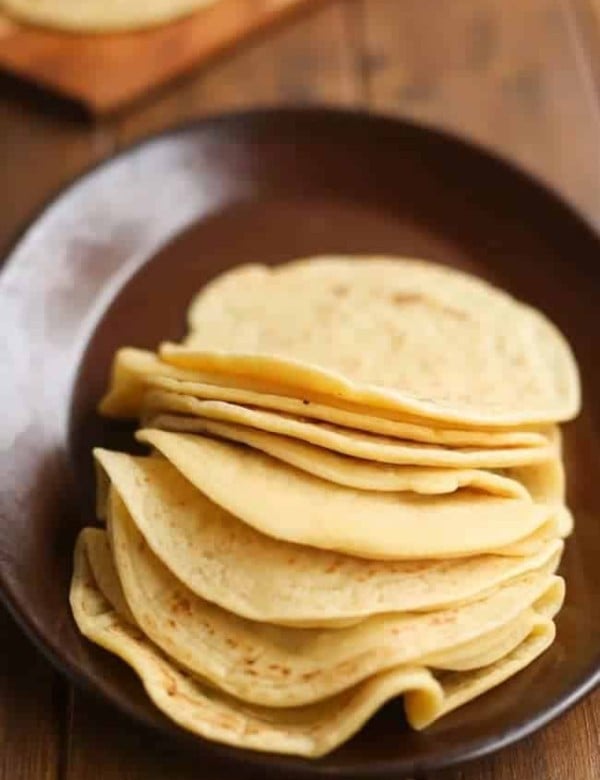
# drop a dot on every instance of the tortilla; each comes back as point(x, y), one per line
point(227, 562)
point(99, 16)
point(543, 482)
point(288, 504)
point(135, 371)
point(392, 333)
point(359, 444)
point(309, 731)
point(287, 667)
point(100, 559)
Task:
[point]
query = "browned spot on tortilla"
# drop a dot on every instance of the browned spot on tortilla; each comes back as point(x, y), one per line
point(171, 686)
point(443, 619)
point(182, 604)
point(401, 298)
point(404, 298)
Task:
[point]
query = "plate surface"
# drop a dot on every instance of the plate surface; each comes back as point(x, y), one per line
point(114, 260)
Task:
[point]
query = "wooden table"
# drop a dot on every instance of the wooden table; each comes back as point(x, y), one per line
point(521, 76)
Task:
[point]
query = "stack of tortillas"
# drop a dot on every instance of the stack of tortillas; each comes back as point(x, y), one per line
point(354, 492)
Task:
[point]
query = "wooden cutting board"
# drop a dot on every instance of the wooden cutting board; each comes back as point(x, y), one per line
point(106, 71)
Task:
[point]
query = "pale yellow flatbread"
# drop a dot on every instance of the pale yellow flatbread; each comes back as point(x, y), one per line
point(227, 562)
point(135, 371)
point(288, 504)
point(309, 731)
point(100, 558)
point(92, 16)
point(389, 333)
point(543, 482)
point(288, 667)
point(359, 444)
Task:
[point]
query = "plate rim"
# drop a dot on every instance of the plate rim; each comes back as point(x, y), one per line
point(475, 748)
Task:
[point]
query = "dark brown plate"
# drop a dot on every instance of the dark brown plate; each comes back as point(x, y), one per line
point(114, 260)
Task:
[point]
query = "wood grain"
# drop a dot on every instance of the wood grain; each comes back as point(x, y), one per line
point(507, 73)
point(307, 62)
point(31, 710)
point(114, 69)
point(585, 27)
point(567, 748)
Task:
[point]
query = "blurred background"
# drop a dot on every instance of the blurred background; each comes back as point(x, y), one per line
point(521, 77)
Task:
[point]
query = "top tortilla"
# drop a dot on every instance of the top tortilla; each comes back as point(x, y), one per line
point(386, 333)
